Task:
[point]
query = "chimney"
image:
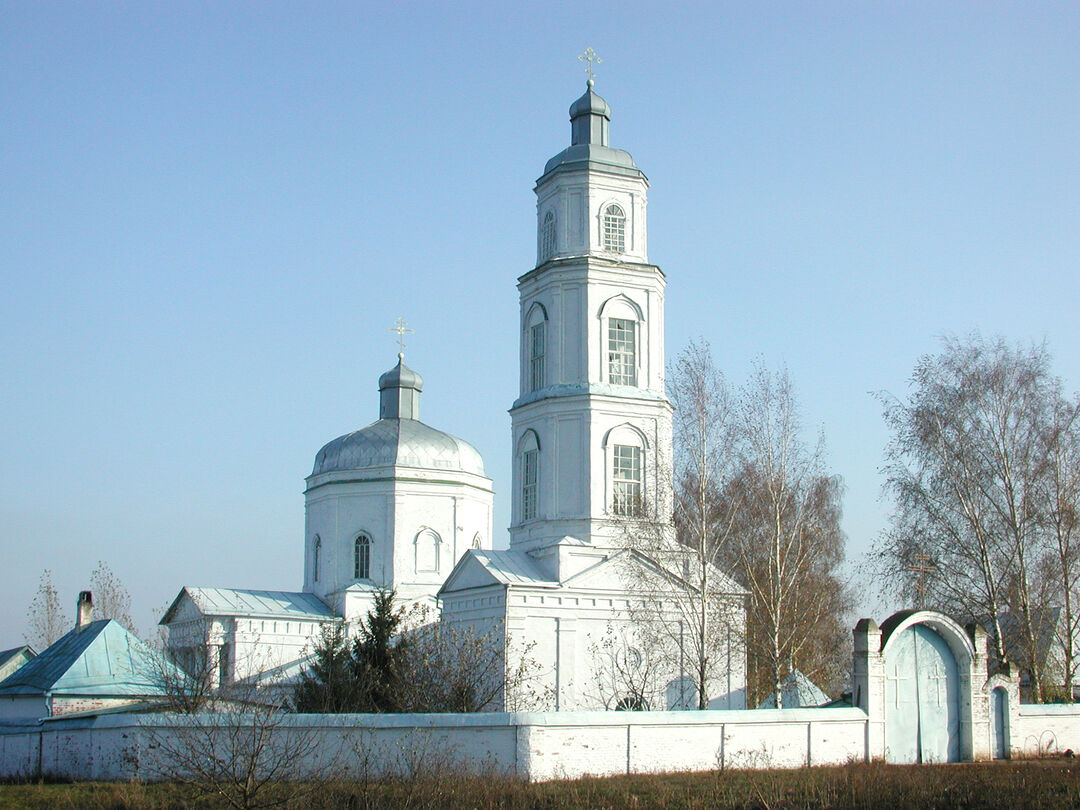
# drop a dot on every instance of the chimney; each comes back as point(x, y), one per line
point(84, 610)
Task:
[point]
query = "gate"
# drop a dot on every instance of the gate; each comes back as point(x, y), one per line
point(999, 707)
point(922, 698)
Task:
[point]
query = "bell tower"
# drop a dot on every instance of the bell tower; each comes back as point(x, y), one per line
point(592, 425)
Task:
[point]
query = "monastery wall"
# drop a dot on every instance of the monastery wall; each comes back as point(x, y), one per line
point(1047, 728)
point(535, 746)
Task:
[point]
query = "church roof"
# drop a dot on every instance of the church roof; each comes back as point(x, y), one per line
point(513, 567)
point(399, 438)
point(237, 602)
point(101, 658)
point(398, 442)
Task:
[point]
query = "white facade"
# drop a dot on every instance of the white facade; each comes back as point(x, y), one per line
point(418, 523)
point(400, 505)
point(595, 382)
point(393, 505)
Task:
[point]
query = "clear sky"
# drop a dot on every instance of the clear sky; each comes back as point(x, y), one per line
point(210, 213)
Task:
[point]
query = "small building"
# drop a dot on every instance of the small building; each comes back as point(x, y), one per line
point(796, 692)
point(11, 660)
point(239, 634)
point(97, 665)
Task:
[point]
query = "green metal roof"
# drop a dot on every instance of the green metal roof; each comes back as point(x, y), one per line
point(102, 658)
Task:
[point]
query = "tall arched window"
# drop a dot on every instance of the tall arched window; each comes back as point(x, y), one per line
point(529, 471)
point(614, 232)
point(626, 480)
point(625, 447)
point(477, 542)
point(316, 550)
point(622, 351)
point(536, 345)
point(547, 237)
point(623, 335)
point(362, 557)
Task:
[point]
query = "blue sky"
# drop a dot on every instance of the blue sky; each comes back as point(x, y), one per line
point(211, 213)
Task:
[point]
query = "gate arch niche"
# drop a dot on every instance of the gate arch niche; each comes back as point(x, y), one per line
point(927, 658)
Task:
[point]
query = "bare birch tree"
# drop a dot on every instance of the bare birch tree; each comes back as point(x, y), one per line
point(787, 543)
point(45, 617)
point(978, 467)
point(111, 598)
point(1059, 495)
point(704, 454)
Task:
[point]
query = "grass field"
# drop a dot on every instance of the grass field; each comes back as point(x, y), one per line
point(1009, 786)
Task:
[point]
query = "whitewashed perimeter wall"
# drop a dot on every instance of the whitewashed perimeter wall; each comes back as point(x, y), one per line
point(1048, 728)
point(535, 746)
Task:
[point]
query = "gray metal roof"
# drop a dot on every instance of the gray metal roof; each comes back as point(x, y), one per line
point(592, 155)
point(269, 604)
point(398, 442)
point(102, 658)
point(512, 567)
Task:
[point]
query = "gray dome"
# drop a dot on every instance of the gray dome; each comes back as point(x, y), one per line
point(590, 104)
point(401, 376)
point(402, 442)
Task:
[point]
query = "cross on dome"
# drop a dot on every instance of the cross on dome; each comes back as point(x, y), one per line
point(588, 58)
point(402, 328)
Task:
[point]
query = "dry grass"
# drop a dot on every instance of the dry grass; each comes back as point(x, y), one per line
point(1009, 786)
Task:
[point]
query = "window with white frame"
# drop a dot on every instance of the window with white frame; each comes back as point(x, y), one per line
point(626, 480)
point(614, 229)
point(362, 557)
point(530, 464)
point(622, 351)
point(316, 549)
point(536, 356)
point(547, 237)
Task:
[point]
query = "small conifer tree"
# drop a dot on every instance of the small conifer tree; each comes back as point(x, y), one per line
point(376, 656)
point(329, 684)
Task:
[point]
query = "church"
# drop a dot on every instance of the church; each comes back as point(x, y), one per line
point(399, 504)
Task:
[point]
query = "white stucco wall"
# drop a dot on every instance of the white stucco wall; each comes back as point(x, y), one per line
point(537, 746)
point(1046, 729)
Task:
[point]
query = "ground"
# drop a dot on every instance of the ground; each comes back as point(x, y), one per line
point(1016, 785)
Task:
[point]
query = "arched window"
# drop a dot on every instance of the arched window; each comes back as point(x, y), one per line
point(631, 702)
point(316, 549)
point(614, 232)
point(622, 335)
point(625, 447)
point(622, 351)
point(547, 237)
point(626, 478)
point(477, 542)
point(362, 557)
point(529, 455)
point(536, 345)
point(536, 358)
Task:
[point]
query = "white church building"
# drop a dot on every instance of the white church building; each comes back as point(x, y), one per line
point(399, 504)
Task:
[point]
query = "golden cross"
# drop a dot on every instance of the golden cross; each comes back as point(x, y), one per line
point(588, 58)
point(402, 329)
